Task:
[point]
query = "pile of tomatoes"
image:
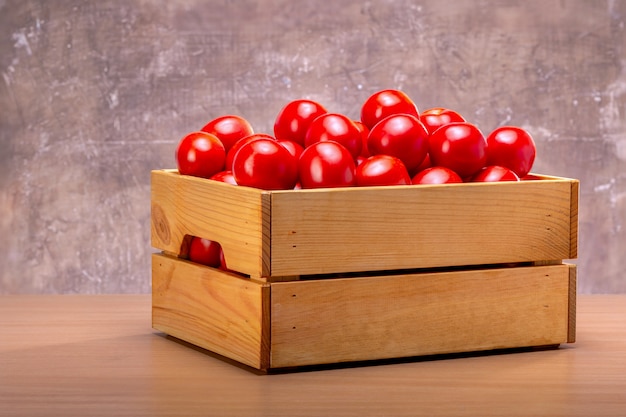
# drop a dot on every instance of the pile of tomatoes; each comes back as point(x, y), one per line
point(391, 144)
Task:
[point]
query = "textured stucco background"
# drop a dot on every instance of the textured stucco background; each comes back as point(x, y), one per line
point(95, 94)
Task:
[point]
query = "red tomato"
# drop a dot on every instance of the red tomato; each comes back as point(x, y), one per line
point(436, 117)
point(294, 119)
point(365, 132)
point(326, 165)
point(225, 176)
point(382, 170)
point(425, 164)
point(335, 127)
point(228, 165)
point(205, 252)
point(494, 173)
point(436, 175)
point(223, 261)
point(200, 154)
point(265, 164)
point(402, 136)
point(294, 148)
point(459, 146)
point(511, 147)
point(385, 103)
point(229, 129)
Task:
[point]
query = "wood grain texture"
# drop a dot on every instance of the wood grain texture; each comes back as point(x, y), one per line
point(574, 202)
point(385, 228)
point(82, 355)
point(238, 218)
point(326, 321)
point(223, 313)
point(573, 299)
point(289, 233)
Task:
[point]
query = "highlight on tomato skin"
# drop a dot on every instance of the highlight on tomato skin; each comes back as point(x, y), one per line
point(326, 165)
point(511, 147)
point(265, 164)
point(436, 175)
point(294, 148)
point(294, 119)
point(206, 252)
point(230, 155)
point(200, 154)
point(384, 103)
point(229, 129)
point(459, 146)
point(382, 170)
point(336, 127)
point(402, 136)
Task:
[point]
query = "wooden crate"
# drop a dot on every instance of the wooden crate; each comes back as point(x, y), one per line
point(355, 274)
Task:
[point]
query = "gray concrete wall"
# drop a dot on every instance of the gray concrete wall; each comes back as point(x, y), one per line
point(95, 94)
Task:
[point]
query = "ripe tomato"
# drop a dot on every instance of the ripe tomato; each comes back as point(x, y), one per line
point(294, 119)
point(228, 165)
point(511, 147)
point(205, 252)
point(495, 173)
point(459, 146)
point(326, 165)
point(385, 103)
point(436, 175)
point(200, 154)
point(335, 127)
point(402, 136)
point(436, 117)
point(382, 170)
point(265, 164)
point(229, 129)
point(294, 148)
point(225, 176)
point(365, 132)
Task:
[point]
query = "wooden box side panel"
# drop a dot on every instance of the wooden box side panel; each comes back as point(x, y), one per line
point(236, 217)
point(388, 228)
point(331, 321)
point(211, 309)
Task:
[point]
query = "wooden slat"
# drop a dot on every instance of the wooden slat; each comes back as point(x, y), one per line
point(272, 235)
point(236, 217)
point(328, 321)
point(574, 219)
point(211, 309)
point(387, 228)
point(571, 313)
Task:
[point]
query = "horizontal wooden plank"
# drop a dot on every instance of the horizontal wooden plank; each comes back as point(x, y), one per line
point(211, 309)
point(271, 235)
point(354, 319)
point(387, 228)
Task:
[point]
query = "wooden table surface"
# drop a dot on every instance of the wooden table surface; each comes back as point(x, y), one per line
point(79, 355)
